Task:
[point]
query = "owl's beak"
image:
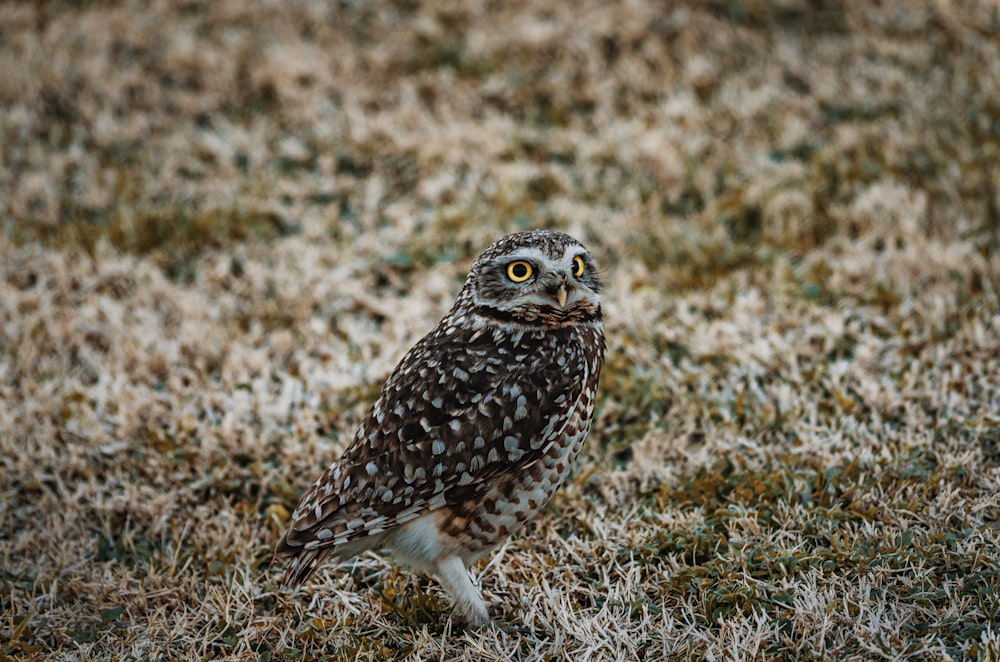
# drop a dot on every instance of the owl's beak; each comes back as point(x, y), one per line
point(558, 290)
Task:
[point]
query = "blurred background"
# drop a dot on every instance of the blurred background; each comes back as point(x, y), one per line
point(701, 130)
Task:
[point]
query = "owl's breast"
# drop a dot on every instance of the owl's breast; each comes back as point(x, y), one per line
point(555, 392)
point(482, 423)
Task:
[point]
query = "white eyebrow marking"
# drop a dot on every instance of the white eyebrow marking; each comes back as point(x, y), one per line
point(530, 253)
point(538, 257)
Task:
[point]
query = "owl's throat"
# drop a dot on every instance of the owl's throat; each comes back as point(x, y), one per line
point(542, 315)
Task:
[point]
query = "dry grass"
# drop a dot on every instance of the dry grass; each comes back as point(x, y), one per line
point(221, 223)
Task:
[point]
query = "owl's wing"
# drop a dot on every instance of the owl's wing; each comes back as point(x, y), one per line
point(461, 408)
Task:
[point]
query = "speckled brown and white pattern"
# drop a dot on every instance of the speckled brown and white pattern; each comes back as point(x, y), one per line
point(476, 427)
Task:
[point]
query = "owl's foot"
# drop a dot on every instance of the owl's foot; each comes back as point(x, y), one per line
point(512, 628)
point(491, 624)
point(470, 609)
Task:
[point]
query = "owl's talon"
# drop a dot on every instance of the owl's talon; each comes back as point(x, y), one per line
point(513, 628)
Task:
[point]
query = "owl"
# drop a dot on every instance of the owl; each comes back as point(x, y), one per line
point(474, 429)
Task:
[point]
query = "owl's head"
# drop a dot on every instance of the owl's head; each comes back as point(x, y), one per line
point(538, 277)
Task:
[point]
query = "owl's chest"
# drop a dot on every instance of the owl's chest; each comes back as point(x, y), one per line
point(558, 380)
point(560, 385)
point(553, 362)
point(518, 496)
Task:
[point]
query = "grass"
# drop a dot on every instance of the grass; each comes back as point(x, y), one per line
point(221, 226)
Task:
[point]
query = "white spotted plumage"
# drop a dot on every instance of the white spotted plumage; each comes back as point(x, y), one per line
point(476, 427)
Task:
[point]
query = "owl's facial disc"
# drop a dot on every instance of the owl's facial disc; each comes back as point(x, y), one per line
point(536, 286)
point(557, 291)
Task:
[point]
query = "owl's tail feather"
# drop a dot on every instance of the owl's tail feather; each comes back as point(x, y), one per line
point(306, 555)
point(302, 566)
point(303, 563)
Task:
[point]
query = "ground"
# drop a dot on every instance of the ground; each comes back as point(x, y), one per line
point(222, 223)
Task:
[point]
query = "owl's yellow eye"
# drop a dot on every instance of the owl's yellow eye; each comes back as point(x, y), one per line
point(519, 271)
point(578, 266)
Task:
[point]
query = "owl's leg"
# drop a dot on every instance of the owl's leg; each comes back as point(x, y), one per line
point(469, 605)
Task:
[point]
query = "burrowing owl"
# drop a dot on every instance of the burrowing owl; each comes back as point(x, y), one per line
point(476, 427)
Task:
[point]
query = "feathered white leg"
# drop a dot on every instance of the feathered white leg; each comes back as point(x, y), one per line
point(469, 605)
